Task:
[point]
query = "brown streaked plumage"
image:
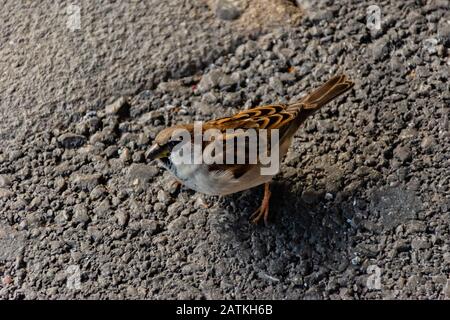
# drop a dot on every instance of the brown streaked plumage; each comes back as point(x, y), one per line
point(222, 179)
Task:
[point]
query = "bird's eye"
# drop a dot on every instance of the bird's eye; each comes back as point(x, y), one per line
point(171, 144)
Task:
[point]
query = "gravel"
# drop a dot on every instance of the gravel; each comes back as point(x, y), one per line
point(227, 9)
point(71, 140)
point(360, 209)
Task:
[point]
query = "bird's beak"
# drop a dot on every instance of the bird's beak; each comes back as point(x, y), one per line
point(156, 152)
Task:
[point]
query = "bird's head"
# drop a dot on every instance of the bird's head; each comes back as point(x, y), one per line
point(167, 140)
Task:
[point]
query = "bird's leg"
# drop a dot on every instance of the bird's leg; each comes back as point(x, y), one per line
point(263, 210)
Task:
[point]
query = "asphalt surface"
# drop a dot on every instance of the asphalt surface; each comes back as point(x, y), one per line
point(360, 209)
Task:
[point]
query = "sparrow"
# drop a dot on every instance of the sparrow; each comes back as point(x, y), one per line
point(227, 178)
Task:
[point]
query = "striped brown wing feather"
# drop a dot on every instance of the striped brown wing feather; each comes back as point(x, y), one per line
point(265, 117)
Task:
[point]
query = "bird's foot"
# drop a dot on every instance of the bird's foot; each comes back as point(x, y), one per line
point(263, 211)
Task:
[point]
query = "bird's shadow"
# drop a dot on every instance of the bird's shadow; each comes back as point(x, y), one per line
point(309, 234)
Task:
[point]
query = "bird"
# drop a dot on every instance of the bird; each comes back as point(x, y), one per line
point(234, 176)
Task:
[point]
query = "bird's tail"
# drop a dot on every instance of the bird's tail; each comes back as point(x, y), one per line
point(321, 96)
